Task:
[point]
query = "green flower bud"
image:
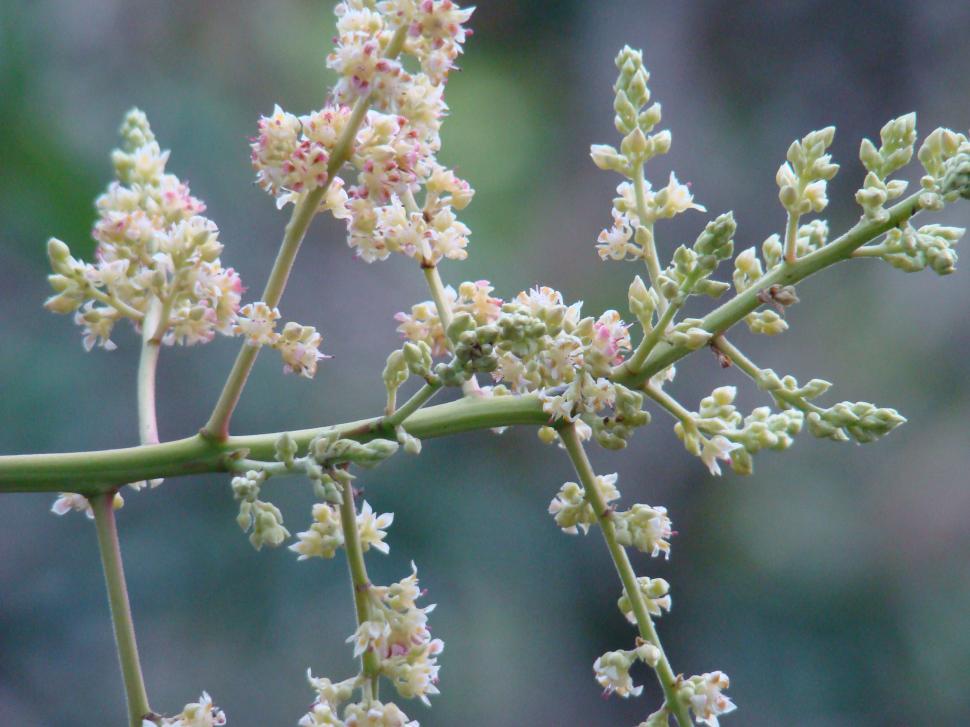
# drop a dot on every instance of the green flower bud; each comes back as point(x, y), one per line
point(285, 449)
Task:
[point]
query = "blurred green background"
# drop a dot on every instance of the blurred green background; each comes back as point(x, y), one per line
point(833, 585)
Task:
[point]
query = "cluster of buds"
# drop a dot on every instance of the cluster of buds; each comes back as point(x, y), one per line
point(748, 272)
point(691, 267)
point(195, 714)
point(803, 178)
point(423, 325)
point(298, 345)
point(718, 431)
point(898, 138)
point(861, 422)
point(945, 155)
point(637, 205)
point(911, 250)
point(157, 259)
point(262, 520)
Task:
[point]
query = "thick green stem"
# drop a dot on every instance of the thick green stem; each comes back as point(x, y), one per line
point(99, 471)
point(370, 662)
point(303, 212)
point(729, 313)
point(124, 630)
point(665, 674)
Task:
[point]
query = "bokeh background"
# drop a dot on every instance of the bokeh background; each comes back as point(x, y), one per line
point(833, 585)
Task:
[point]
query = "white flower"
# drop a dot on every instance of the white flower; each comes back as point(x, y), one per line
point(612, 671)
point(715, 448)
point(257, 322)
point(372, 528)
point(675, 198)
point(644, 528)
point(376, 714)
point(708, 702)
point(79, 503)
point(614, 243)
point(196, 714)
point(324, 536)
point(370, 635)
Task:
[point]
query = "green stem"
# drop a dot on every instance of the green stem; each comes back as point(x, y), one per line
point(665, 674)
point(650, 248)
point(124, 630)
point(654, 336)
point(870, 251)
point(441, 302)
point(756, 374)
point(108, 299)
point(676, 409)
point(370, 662)
point(99, 471)
point(729, 313)
point(791, 238)
point(303, 212)
point(408, 408)
point(147, 366)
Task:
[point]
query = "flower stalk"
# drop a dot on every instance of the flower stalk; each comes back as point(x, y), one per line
point(124, 629)
point(303, 213)
point(621, 561)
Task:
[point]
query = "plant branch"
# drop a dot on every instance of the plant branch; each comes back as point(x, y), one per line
point(303, 212)
point(98, 471)
point(665, 674)
point(124, 630)
point(729, 313)
point(360, 583)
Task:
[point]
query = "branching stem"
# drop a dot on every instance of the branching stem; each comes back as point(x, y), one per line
point(360, 583)
point(665, 674)
point(303, 212)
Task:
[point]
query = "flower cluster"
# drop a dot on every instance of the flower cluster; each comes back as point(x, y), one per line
point(396, 631)
point(325, 710)
point(196, 714)
point(392, 146)
point(298, 345)
point(291, 155)
point(157, 258)
point(325, 534)
point(536, 343)
point(643, 527)
point(637, 205)
point(262, 520)
point(705, 696)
